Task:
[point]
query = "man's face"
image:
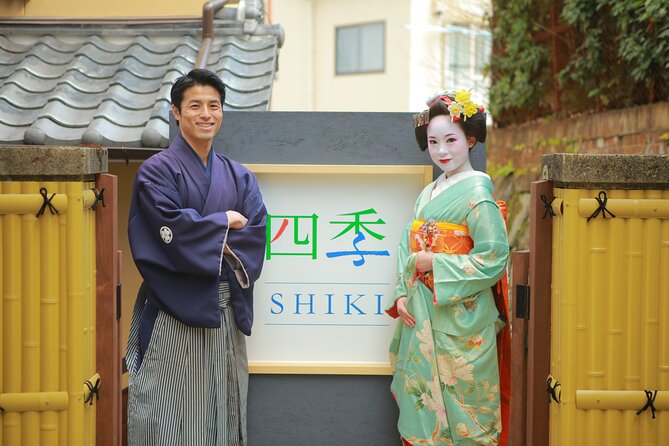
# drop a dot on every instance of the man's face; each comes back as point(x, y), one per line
point(201, 114)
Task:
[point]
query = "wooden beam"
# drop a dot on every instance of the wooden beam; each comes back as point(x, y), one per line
point(108, 338)
point(538, 324)
point(520, 262)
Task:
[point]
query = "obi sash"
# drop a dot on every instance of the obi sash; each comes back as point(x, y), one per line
point(450, 238)
point(438, 237)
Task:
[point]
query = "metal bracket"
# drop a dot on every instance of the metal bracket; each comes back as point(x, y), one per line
point(522, 301)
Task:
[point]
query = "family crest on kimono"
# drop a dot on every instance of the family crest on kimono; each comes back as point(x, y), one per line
point(197, 235)
point(450, 351)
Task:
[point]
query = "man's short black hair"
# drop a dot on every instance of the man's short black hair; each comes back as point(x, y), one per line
point(197, 76)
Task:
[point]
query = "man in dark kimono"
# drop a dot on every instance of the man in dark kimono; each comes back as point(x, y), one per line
point(197, 235)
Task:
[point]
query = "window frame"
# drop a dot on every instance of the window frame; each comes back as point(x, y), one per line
point(360, 26)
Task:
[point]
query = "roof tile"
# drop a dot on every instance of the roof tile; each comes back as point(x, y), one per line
point(62, 85)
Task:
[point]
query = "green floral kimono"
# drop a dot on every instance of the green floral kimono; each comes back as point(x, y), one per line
point(445, 370)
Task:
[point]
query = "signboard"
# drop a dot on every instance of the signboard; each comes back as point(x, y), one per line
point(330, 266)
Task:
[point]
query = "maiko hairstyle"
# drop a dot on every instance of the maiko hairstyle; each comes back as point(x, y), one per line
point(469, 116)
point(197, 76)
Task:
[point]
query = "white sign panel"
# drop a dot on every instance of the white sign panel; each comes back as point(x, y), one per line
point(330, 265)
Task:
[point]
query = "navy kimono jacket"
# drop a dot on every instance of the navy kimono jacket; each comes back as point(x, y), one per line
point(181, 242)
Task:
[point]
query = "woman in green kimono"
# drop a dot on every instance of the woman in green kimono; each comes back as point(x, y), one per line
point(446, 378)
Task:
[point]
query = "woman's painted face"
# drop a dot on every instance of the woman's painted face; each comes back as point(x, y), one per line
point(448, 145)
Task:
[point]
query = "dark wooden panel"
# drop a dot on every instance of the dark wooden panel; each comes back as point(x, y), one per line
point(520, 262)
point(108, 336)
point(538, 325)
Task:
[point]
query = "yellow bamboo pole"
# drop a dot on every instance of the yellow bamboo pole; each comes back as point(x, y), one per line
point(89, 300)
point(596, 289)
point(632, 309)
point(663, 297)
point(89, 196)
point(50, 333)
point(557, 206)
point(2, 317)
point(614, 347)
point(34, 402)
point(651, 308)
point(580, 281)
point(75, 316)
point(619, 399)
point(563, 427)
point(557, 291)
point(30, 326)
point(63, 333)
point(11, 325)
point(626, 207)
point(30, 202)
point(577, 320)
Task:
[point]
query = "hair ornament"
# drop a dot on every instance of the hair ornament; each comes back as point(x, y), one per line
point(460, 106)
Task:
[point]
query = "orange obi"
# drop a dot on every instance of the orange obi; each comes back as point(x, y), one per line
point(438, 237)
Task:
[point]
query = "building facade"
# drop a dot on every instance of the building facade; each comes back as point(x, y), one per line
point(378, 55)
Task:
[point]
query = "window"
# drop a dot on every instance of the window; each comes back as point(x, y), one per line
point(360, 48)
point(483, 53)
point(459, 49)
point(468, 55)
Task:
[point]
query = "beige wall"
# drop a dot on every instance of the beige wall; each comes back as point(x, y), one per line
point(130, 278)
point(293, 83)
point(100, 8)
point(427, 56)
point(307, 79)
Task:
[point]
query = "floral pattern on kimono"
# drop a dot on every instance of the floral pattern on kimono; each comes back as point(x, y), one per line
point(445, 370)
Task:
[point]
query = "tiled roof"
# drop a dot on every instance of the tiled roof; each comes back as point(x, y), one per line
point(97, 85)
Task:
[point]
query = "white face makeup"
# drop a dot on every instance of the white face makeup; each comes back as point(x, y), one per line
point(448, 145)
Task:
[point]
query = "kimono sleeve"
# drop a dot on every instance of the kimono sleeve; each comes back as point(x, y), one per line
point(458, 276)
point(191, 244)
point(245, 248)
point(401, 285)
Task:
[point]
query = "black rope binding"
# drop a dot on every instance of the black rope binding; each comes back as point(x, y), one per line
point(94, 389)
point(602, 207)
point(548, 206)
point(47, 202)
point(552, 394)
point(99, 198)
point(650, 399)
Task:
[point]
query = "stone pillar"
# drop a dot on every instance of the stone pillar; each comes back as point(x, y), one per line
point(51, 163)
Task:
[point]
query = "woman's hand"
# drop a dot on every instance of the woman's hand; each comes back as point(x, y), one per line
point(407, 317)
point(424, 261)
point(235, 219)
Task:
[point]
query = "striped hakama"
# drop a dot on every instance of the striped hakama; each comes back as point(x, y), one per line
point(191, 386)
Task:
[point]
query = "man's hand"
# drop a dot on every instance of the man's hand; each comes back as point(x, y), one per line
point(407, 317)
point(236, 220)
point(424, 261)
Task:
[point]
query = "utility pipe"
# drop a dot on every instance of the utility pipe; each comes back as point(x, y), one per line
point(208, 11)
